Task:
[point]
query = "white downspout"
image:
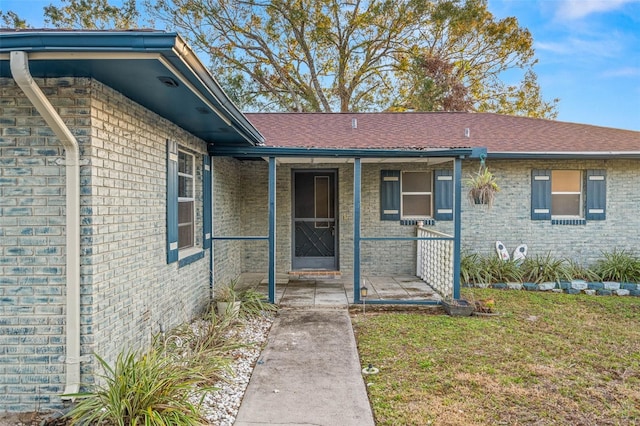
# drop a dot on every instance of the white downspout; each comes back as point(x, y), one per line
point(22, 76)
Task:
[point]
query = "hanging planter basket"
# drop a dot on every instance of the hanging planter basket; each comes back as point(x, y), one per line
point(483, 186)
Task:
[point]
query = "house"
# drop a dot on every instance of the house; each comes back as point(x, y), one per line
point(130, 185)
point(566, 189)
point(105, 200)
point(114, 185)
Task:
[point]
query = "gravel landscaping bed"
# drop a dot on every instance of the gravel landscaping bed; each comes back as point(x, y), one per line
point(221, 406)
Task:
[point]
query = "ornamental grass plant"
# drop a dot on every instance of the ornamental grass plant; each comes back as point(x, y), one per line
point(545, 268)
point(618, 265)
point(483, 187)
point(166, 384)
point(147, 388)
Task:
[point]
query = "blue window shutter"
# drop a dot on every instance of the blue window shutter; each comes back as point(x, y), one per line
point(541, 195)
point(206, 189)
point(172, 201)
point(390, 195)
point(596, 195)
point(443, 196)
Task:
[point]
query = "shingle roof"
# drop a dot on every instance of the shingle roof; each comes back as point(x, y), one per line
point(414, 130)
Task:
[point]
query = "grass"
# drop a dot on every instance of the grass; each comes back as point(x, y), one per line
point(549, 359)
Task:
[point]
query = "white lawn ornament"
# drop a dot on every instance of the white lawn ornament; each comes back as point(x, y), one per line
point(520, 253)
point(502, 251)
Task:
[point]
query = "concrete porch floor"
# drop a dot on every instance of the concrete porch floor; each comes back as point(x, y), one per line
point(338, 292)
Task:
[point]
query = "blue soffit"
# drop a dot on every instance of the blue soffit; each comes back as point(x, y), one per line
point(153, 68)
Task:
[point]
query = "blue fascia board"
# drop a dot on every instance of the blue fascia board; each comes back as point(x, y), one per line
point(264, 151)
point(65, 41)
point(87, 41)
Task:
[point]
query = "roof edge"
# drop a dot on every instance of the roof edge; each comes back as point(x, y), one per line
point(169, 44)
point(264, 151)
point(68, 41)
point(564, 155)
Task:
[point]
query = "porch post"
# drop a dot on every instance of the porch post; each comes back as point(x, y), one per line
point(457, 225)
point(272, 229)
point(356, 230)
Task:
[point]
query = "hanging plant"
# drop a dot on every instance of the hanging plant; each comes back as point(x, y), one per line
point(482, 187)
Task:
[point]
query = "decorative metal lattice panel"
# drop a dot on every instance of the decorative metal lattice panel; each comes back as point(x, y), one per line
point(314, 239)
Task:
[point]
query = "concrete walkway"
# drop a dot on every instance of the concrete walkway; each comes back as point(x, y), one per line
point(308, 374)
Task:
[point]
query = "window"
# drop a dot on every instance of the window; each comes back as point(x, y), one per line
point(416, 195)
point(568, 196)
point(566, 193)
point(183, 187)
point(321, 200)
point(186, 200)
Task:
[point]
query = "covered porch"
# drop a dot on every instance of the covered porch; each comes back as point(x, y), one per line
point(365, 238)
point(298, 291)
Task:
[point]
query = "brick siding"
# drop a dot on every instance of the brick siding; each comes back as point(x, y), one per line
point(127, 286)
point(509, 221)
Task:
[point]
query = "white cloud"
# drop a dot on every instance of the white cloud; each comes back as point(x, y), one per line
point(622, 72)
point(586, 47)
point(576, 9)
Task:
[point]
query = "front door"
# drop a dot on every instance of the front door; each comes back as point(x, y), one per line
point(314, 219)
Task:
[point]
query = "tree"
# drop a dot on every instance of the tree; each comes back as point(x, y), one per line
point(92, 14)
point(436, 86)
point(467, 54)
point(11, 20)
point(358, 55)
point(299, 55)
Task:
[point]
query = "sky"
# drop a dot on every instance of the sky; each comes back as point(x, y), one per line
point(588, 53)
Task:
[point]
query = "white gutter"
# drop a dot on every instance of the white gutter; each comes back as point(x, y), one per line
point(22, 76)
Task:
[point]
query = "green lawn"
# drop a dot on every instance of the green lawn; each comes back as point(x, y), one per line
point(549, 359)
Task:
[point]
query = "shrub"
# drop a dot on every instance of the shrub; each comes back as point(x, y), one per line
point(149, 388)
point(497, 270)
point(545, 268)
point(621, 266)
point(476, 269)
point(158, 387)
point(471, 268)
point(254, 304)
point(580, 272)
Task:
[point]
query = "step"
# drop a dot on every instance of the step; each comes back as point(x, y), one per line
point(314, 274)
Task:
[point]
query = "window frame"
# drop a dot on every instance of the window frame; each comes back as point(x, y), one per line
point(429, 193)
point(580, 193)
point(183, 199)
